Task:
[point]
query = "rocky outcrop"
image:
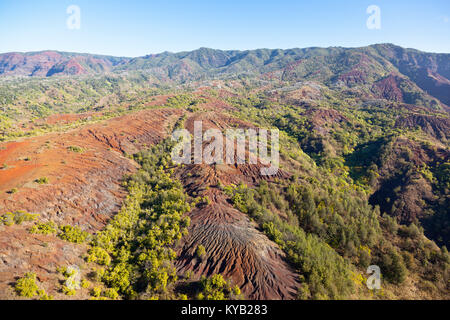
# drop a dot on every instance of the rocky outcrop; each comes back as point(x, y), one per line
point(436, 127)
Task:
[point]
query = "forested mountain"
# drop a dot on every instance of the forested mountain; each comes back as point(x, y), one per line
point(390, 72)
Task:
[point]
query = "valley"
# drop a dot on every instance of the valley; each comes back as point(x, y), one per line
point(86, 177)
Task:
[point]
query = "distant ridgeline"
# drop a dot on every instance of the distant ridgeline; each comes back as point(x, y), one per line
point(389, 71)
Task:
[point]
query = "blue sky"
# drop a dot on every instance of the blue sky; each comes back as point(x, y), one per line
point(137, 27)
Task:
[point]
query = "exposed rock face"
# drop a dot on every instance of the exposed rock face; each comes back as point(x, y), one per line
point(353, 77)
point(34, 65)
point(325, 117)
point(49, 63)
point(388, 88)
point(434, 126)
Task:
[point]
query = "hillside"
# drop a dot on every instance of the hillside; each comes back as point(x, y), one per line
point(87, 178)
point(403, 75)
point(52, 63)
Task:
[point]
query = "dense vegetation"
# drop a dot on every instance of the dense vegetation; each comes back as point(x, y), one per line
point(136, 246)
point(334, 205)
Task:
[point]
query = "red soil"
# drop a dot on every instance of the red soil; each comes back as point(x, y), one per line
point(389, 88)
point(234, 245)
point(84, 189)
point(80, 181)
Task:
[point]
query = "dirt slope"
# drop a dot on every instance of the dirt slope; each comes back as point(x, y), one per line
point(83, 189)
point(234, 245)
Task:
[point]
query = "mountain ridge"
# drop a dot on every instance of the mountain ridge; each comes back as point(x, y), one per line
point(409, 69)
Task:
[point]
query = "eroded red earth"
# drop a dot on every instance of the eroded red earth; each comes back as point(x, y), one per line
point(84, 190)
point(235, 247)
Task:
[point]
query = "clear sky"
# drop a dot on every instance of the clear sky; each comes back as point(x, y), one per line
point(137, 27)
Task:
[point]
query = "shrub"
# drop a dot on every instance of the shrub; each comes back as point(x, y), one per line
point(72, 234)
point(390, 223)
point(411, 231)
point(96, 292)
point(75, 149)
point(99, 255)
point(217, 288)
point(43, 295)
point(201, 251)
point(393, 267)
point(43, 180)
point(18, 217)
point(187, 275)
point(364, 258)
point(22, 216)
point(26, 286)
point(236, 290)
point(68, 291)
point(7, 219)
point(111, 294)
point(272, 232)
point(85, 284)
point(44, 228)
